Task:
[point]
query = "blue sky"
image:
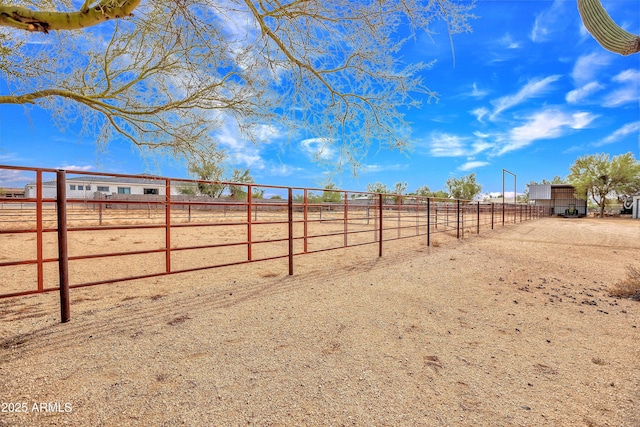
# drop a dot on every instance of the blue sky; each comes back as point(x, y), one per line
point(530, 91)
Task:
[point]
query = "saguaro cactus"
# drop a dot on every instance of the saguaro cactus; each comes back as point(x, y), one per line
point(610, 35)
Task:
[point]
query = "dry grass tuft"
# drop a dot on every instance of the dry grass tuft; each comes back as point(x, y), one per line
point(630, 286)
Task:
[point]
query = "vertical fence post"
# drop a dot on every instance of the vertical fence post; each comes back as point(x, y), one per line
point(416, 201)
point(428, 221)
point(167, 225)
point(290, 206)
point(346, 216)
point(492, 209)
point(63, 255)
point(503, 210)
point(458, 218)
point(380, 224)
point(399, 222)
point(249, 216)
point(478, 220)
point(39, 227)
point(306, 220)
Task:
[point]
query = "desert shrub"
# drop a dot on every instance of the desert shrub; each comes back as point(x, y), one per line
point(629, 287)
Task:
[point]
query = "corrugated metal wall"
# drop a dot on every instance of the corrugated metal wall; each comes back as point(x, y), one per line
point(540, 192)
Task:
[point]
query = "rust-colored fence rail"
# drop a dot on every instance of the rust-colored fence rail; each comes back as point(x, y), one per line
point(113, 234)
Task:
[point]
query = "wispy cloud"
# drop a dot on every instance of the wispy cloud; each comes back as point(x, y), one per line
point(588, 66)
point(547, 124)
point(547, 22)
point(478, 93)
point(448, 145)
point(577, 95)
point(318, 148)
point(14, 178)
point(507, 42)
point(84, 168)
point(629, 92)
point(283, 170)
point(375, 168)
point(532, 89)
point(618, 134)
point(480, 113)
point(475, 164)
point(241, 150)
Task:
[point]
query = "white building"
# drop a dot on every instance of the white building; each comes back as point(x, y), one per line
point(86, 187)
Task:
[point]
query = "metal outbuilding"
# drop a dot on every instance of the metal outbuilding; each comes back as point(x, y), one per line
point(558, 198)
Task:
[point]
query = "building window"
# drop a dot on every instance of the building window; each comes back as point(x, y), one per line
point(80, 187)
point(88, 188)
point(72, 187)
point(150, 191)
point(103, 188)
point(124, 190)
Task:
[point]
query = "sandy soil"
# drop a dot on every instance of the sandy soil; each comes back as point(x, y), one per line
point(513, 327)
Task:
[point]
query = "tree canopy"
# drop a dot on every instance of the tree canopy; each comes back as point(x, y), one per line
point(465, 188)
point(169, 74)
point(600, 178)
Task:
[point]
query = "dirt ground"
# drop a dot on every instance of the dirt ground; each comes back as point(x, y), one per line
point(512, 327)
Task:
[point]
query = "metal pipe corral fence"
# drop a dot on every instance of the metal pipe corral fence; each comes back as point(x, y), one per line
point(161, 227)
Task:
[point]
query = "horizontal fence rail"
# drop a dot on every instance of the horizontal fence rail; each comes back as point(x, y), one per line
point(102, 231)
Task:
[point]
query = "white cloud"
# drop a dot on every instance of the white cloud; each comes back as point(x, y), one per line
point(284, 170)
point(85, 168)
point(447, 145)
point(546, 23)
point(472, 165)
point(318, 148)
point(629, 92)
point(577, 95)
point(14, 178)
point(240, 151)
point(477, 93)
point(266, 133)
point(374, 168)
point(628, 129)
point(480, 112)
point(508, 42)
point(547, 124)
point(587, 67)
point(532, 89)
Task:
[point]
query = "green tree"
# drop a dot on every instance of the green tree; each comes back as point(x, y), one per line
point(211, 171)
point(465, 188)
point(239, 192)
point(399, 188)
point(329, 194)
point(423, 191)
point(378, 188)
point(440, 194)
point(599, 178)
point(257, 193)
point(166, 74)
